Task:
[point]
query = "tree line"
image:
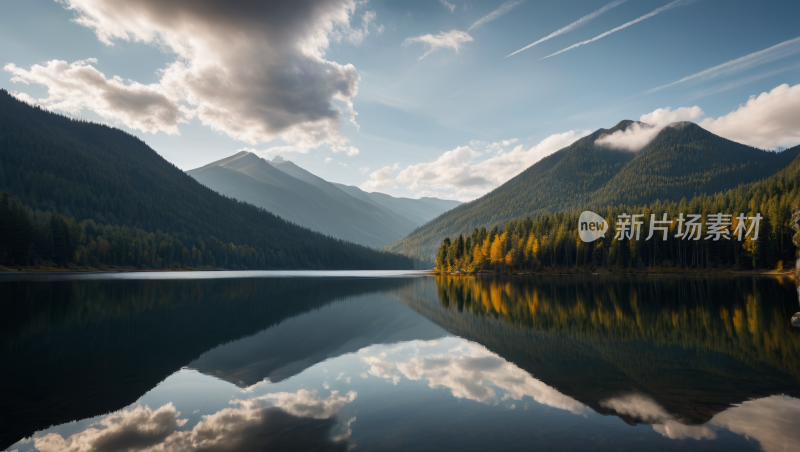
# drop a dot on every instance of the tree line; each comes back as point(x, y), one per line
point(552, 241)
point(48, 239)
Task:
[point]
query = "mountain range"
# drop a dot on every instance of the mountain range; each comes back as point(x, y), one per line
point(683, 160)
point(341, 211)
point(74, 185)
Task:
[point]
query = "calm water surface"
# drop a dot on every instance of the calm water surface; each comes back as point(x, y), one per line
point(244, 361)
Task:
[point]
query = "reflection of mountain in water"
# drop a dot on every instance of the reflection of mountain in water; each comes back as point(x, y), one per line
point(695, 346)
point(298, 343)
point(76, 349)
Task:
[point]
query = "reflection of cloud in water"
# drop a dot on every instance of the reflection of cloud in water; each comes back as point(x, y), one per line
point(772, 421)
point(468, 369)
point(282, 420)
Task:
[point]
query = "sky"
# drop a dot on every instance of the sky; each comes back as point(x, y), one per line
point(442, 98)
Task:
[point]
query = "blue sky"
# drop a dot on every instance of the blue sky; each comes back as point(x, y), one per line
point(423, 126)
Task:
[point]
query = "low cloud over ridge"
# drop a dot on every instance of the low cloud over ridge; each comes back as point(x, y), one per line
point(639, 134)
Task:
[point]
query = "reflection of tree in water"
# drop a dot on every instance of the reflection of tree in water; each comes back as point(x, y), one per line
point(743, 317)
point(596, 337)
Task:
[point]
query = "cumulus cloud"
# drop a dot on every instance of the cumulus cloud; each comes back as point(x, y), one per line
point(771, 420)
point(504, 8)
point(252, 70)
point(461, 174)
point(500, 144)
point(349, 150)
point(767, 121)
point(578, 23)
point(451, 39)
point(253, 424)
point(80, 86)
point(638, 135)
point(469, 371)
point(381, 178)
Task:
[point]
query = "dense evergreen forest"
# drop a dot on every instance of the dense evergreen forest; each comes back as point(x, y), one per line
point(85, 194)
point(552, 242)
point(682, 161)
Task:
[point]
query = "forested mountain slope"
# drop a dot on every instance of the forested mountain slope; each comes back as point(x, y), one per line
point(681, 161)
point(685, 160)
point(765, 213)
point(90, 171)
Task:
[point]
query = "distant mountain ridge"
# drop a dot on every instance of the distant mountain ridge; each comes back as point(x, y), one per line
point(94, 172)
point(296, 195)
point(683, 160)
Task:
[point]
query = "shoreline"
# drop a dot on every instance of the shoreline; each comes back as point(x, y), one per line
point(793, 273)
point(57, 271)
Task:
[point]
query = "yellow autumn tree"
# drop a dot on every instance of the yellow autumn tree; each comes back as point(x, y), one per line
point(511, 258)
point(531, 247)
point(478, 256)
point(486, 247)
point(496, 256)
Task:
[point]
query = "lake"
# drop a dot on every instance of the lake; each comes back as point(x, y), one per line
point(243, 361)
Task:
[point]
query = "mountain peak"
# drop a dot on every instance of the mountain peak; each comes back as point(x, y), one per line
point(682, 124)
point(278, 160)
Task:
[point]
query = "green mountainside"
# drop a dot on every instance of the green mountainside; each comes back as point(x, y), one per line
point(551, 242)
point(683, 160)
point(91, 172)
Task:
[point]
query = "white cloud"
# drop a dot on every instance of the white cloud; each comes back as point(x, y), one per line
point(379, 179)
point(623, 26)
point(357, 35)
point(499, 144)
point(580, 22)
point(767, 55)
point(364, 169)
point(767, 121)
point(468, 370)
point(504, 8)
point(460, 174)
point(450, 39)
point(328, 159)
point(637, 135)
point(448, 5)
point(247, 425)
point(350, 150)
point(255, 71)
point(771, 420)
point(24, 98)
point(79, 86)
